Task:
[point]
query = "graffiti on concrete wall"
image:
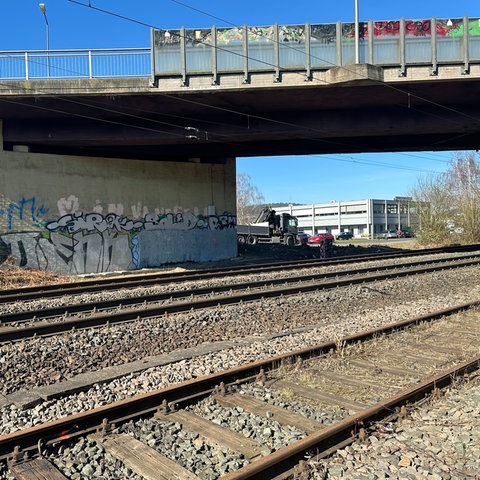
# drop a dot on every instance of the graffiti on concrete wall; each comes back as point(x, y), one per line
point(21, 211)
point(79, 242)
point(81, 252)
point(75, 222)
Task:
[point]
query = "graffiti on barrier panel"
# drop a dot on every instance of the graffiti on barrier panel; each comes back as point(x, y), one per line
point(322, 33)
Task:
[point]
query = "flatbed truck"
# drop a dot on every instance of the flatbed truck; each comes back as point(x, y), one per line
point(269, 227)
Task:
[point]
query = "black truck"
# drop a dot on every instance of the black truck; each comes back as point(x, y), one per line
point(269, 227)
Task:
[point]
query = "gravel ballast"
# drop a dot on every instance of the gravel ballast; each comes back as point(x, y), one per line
point(255, 330)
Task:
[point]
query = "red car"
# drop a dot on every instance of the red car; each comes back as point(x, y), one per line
point(317, 239)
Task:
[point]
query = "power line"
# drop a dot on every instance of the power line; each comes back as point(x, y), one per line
point(377, 164)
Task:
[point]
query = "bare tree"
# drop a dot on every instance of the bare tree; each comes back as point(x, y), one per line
point(464, 178)
point(448, 204)
point(249, 199)
point(433, 209)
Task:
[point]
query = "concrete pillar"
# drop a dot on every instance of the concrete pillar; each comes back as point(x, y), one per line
point(88, 215)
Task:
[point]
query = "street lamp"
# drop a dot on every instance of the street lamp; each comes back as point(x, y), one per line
point(43, 9)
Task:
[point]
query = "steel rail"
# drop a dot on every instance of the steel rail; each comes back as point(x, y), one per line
point(97, 306)
point(134, 280)
point(285, 458)
point(8, 334)
point(28, 441)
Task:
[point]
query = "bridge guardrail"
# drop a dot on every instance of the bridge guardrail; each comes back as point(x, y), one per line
point(304, 48)
point(75, 64)
point(301, 48)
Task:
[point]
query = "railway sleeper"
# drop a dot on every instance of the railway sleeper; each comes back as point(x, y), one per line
point(144, 460)
point(37, 469)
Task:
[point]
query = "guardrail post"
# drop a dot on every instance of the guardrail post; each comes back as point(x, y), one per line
point(338, 31)
point(246, 77)
point(433, 41)
point(153, 78)
point(90, 65)
point(308, 51)
point(403, 67)
point(214, 56)
point(371, 34)
point(26, 65)
point(466, 51)
point(183, 56)
point(276, 53)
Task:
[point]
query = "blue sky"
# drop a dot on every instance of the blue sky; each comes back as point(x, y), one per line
point(122, 24)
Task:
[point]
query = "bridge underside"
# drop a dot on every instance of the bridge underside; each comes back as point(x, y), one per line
point(213, 123)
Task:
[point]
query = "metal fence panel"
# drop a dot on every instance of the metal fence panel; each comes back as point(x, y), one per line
point(74, 64)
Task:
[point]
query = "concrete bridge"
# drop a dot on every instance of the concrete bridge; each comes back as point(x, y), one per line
point(102, 173)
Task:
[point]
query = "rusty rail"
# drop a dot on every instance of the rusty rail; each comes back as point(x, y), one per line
point(99, 319)
point(28, 441)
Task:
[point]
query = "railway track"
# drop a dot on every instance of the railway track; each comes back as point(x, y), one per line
point(149, 279)
point(224, 422)
point(21, 325)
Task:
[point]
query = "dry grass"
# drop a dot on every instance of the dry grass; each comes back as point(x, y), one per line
point(14, 277)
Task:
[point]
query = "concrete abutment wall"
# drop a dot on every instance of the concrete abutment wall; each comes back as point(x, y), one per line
point(76, 215)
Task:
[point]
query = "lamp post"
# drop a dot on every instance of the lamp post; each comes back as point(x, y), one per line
point(43, 9)
point(357, 34)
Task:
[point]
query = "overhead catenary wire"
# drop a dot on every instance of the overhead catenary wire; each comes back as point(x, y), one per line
point(350, 159)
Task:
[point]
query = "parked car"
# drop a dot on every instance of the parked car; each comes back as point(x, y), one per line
point(302, 238)
point(344, 236)
point(404, 233)
point(317, 239)
point(388, 234)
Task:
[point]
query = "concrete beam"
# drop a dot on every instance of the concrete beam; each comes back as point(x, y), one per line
point(361, 73)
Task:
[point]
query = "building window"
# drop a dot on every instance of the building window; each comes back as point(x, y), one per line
point(392, 208)
point(357, 212)
point(404, 208)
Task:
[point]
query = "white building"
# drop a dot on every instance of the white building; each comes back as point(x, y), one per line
point(359, 217)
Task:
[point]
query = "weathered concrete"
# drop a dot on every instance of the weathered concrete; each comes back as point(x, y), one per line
point(362, 72)
point(84, 215)
point(160, 247)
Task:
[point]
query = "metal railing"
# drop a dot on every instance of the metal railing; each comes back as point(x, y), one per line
point(75, 64)
point(300, 48)
point(308, 47)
